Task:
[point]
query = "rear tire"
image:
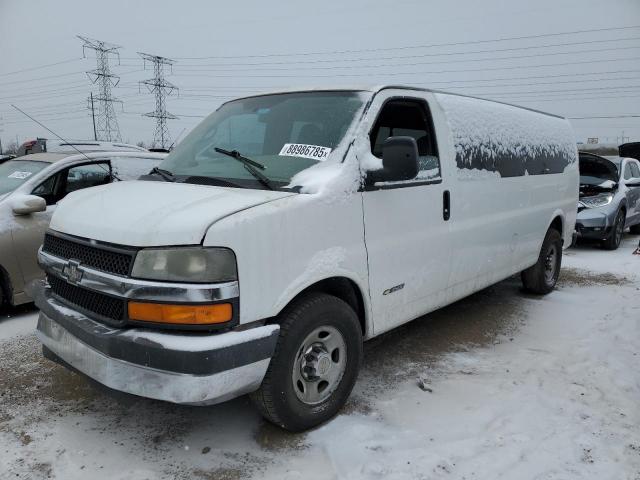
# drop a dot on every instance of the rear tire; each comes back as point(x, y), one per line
point(542, 277)
point(614, 240)
point(315, 364)
point(635, 229)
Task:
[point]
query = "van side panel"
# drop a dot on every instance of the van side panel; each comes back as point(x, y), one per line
point(285, 246)
point(516, 170)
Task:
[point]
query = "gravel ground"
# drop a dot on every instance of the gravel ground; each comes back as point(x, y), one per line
point(499, 385)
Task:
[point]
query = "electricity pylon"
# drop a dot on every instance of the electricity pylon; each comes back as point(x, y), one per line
point(106, 121)
point(161, 88)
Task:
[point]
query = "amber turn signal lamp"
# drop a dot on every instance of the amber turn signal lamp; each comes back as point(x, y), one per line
point(180, 314)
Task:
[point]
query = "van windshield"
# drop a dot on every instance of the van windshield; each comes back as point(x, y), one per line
point(284, 133)
point(15, 172)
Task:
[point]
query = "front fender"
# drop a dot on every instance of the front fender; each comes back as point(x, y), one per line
point(285, 246)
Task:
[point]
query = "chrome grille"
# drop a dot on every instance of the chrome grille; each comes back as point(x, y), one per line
point(105, 307)
point(110, 260)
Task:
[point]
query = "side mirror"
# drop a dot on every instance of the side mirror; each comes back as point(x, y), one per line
point(399, 160)
point(634, 182)
point(26, 204)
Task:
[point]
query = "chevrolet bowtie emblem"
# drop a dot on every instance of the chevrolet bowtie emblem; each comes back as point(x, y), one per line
point(71, 271)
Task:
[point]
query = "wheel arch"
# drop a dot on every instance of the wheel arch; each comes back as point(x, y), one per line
point(557, 223)
point(345, 289)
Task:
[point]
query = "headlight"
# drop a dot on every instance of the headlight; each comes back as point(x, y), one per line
point(597, 201)
point(190, 264)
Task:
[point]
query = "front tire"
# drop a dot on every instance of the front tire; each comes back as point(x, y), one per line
point(542, 277)
point(315, 365)
point(614, 240)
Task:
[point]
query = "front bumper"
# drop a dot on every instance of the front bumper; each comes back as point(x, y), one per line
point(179, 368)
point(594, 223)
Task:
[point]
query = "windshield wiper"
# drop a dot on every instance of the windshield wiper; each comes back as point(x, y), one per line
point(250, 165)
point(165, 174)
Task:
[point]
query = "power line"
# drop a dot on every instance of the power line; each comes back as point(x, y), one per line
point(432, 45)
point(424, 55)
point(41, 66)
point(565, 91)
point(369, 75)
point(604, 116)
point(438, 62)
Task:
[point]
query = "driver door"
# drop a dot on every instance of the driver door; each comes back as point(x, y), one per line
point(406, 225)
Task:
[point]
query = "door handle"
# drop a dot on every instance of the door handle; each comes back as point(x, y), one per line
point(446, 205)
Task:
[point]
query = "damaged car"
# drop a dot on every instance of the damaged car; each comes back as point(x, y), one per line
point(609, 199)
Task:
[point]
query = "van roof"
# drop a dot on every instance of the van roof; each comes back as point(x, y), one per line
point(379, 87)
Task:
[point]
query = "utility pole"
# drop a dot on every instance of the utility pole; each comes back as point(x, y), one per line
point(93, 116)
point(161, 88)
point(107, 124)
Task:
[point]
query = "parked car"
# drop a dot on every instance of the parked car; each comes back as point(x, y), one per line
point(286, 228)
point(6, 158)
point(609, 198)
point(44, 145)
point(31, 188)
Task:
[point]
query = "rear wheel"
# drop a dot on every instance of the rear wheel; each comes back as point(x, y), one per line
point(542, 277)
point(614, 240)
point(635, 229)
point(315, 365)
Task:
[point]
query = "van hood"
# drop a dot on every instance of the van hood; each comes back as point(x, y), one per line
point(145, 214)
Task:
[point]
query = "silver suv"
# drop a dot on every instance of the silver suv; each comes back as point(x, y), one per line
point(609, 198)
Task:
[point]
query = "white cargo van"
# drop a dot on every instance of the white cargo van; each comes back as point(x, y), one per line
point(287, 228)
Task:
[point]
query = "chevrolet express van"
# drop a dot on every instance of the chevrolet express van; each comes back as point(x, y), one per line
point(289, 227)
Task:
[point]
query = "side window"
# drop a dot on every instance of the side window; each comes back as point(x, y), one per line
point(410, 118)
point(47, 189)
point(85, 176)
point(635, 170)
point(627, 171)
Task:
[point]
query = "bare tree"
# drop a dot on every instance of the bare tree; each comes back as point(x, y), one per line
point(11, 149)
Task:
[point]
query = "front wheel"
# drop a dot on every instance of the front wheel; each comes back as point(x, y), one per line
point(614, 240)
point(542, 277)
point(315, 365)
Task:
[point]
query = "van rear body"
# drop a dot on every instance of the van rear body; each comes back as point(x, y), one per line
point(289, 227)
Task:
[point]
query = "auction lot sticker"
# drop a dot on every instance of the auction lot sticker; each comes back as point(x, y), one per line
point(314, 152)
point(20, 175)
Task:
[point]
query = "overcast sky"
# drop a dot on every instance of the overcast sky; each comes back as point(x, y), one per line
point(227, 49)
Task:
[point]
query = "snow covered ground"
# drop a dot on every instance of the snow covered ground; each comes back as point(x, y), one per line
point(499, 385)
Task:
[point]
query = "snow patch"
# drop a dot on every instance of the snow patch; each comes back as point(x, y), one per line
point(486, 129)
point(200, 343)
point(470, 174)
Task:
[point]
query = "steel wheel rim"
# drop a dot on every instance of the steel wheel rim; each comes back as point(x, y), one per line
point(319, 365)
point(550, 262)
